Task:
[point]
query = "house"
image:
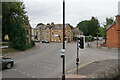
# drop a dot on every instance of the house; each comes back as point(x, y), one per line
point(57, 33)
point(42, 32)
point(76, 32)
point(113, 34)
point(52, 32)
point(28, 29)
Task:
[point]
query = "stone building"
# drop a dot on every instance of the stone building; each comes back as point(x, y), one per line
point(52, 32)
point(57, 33)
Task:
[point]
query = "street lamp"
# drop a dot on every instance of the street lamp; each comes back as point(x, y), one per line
point(63, 50)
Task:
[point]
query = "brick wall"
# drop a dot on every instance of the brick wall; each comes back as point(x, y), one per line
point(113, 34)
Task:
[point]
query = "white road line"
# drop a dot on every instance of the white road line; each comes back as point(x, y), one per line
point(28, 75)
point(33, 76)
point(69, 71)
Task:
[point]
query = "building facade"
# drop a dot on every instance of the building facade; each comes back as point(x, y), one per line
point(113, 34)
point(53, 32)
point(57, 33)
point(42, 32)
point(28, 29)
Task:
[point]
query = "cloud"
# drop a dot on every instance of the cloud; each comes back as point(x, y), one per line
point(48, 11)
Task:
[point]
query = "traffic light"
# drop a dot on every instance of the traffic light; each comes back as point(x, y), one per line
point(81, 41)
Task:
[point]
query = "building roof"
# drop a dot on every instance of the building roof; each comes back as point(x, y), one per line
point(77, 31)
point(59, 26)
point(43, 27)
point(109, 26)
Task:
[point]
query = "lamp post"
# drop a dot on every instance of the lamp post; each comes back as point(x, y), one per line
point(63, 50)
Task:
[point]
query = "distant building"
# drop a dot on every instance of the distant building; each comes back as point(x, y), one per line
point(113, 34)
point(57, 33)
point(28, 29)
point(76, 32)
point(42, 32)
point(52, 32)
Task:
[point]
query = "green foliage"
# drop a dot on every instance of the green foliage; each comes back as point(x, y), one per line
point(109, 21)
point(87, 38)
point(13, 24)
point(40, 24)
point(32, 43)
point(89, 27)
point(101, 32)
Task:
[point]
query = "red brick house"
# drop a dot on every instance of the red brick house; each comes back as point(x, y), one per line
point(113, 34)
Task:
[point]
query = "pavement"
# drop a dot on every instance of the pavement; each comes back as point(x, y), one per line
point(108, 68)
point(97, 69)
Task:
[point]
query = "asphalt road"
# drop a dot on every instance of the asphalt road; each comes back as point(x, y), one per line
point(44, 60)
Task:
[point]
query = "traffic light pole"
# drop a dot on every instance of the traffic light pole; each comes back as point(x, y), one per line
point(77, 59)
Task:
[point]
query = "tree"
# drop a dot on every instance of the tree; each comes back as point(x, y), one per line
point(89, 27)
point(13, 24)
point(109, 21)
point(40, 24)
point(101, 32)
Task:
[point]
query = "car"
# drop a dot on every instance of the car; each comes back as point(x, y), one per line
point(6, 63)
point(45, 41)
point(36, 40)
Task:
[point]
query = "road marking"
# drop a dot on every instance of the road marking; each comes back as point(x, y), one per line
point(28, 75)
point(80, 66)
point(33, 76)
point(37, 65)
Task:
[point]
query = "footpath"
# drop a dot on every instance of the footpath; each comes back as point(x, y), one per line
point(98, 70)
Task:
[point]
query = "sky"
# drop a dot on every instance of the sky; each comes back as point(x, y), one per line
point(47, 11)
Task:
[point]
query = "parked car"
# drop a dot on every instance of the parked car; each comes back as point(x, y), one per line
point(45, 41)
point(6, 63)
point(36, 40)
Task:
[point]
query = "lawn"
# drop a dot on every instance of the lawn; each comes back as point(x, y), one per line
point(8, 50)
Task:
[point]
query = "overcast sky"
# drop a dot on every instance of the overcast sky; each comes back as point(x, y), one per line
point(47, 11)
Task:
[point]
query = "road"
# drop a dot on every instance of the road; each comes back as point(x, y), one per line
point(44, 60)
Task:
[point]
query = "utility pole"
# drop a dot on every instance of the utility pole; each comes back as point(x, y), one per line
point(63, 50)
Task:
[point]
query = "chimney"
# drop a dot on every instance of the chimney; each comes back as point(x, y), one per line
point(118, 16)
point(52, 24)
point(119, 8)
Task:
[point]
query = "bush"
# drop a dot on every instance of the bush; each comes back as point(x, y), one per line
point(32, 43)
point(87, 38)
point(19, 44)
point(74, 38)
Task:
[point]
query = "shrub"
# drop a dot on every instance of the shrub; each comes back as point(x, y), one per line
point(32, 43)
point(87, 38)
